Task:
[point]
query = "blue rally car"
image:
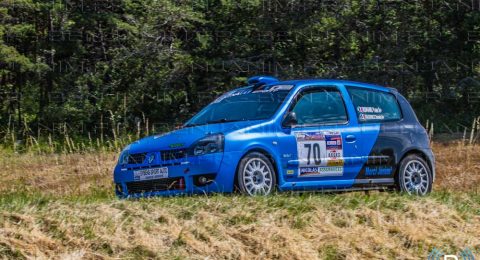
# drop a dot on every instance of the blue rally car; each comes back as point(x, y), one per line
point(295, 135)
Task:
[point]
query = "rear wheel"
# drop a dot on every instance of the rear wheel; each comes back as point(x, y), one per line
point(256, 175)
point(415, 176)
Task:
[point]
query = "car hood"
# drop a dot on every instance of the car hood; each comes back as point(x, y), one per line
point(184, 137)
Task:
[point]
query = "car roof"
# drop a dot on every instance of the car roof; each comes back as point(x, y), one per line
point(302, 82)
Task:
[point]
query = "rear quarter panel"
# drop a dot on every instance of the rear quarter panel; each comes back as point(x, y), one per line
point(394, 140)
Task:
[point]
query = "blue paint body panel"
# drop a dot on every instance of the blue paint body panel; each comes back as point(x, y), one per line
point(359, 143)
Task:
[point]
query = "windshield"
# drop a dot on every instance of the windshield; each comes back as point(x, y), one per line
point(241, 105)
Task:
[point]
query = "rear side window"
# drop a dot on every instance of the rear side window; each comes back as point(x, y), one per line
point(374, 106)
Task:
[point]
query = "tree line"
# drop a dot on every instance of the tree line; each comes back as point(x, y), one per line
point(85, 65)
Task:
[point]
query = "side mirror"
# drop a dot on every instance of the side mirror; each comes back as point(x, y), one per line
point(290, 120)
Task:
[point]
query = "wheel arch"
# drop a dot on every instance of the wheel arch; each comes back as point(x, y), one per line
point(262, 151)
point(422, 155)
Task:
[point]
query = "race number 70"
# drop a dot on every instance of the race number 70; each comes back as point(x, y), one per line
point(316, 153)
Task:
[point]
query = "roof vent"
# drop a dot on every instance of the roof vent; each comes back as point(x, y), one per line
point(261, 79)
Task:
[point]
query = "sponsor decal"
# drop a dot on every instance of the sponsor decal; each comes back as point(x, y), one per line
point(309, 136)
point(335, 162)
point(232, 94)
point(248, 90)
point(376, 110)
point(378, 171)
point(322, 171)
point(319, 153)
point(281, 87)
point(333, 142)
point(150, 174)
point(365, 117)
point(176, 145)
point(274, 88)
point(370, 113)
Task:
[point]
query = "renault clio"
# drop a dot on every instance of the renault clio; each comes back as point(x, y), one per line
point(297, 135)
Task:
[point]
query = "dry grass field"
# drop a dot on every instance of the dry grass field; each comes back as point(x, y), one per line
point(62, 206)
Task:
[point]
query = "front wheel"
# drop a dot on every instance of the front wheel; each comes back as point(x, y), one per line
point(256, 175)
point(414, 176)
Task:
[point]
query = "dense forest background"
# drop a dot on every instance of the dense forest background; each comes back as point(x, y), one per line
point(100, 68)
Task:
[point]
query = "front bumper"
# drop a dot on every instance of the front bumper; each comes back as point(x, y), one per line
point(182, 178)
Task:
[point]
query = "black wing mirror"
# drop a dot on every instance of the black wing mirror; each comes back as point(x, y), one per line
point(290, 120)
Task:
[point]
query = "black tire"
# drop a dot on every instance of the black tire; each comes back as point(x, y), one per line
point(255, 181)
point(414, 176)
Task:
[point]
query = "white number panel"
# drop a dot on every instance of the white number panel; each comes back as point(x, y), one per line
point(319, 154)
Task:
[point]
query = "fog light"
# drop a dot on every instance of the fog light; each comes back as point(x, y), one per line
point(204, 179)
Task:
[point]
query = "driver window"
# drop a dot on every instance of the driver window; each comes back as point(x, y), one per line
point(320, 106)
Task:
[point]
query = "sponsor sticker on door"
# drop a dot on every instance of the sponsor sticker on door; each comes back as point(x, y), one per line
point(319, 154)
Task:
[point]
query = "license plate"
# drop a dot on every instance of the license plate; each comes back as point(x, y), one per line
point(150, 174)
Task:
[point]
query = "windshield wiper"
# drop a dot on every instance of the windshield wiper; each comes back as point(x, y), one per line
point(223, 120)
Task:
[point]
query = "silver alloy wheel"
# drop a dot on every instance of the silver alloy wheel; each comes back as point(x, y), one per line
point(416, 178)
point(257, 177)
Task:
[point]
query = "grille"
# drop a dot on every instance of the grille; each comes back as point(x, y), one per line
point(156, 185)
point(136, 158)
point(173, 154)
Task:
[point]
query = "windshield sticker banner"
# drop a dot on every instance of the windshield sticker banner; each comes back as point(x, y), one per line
point(274, 88)
point(249, 90)
point(319, 154)
point(233, 93)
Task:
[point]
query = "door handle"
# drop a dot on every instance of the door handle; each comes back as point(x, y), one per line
point(350, 139)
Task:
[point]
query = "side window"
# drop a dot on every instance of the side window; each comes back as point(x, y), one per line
point(374, 106)
point(320, 106)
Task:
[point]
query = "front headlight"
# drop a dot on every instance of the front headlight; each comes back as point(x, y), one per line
point(124, 157)
point(209, 144)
